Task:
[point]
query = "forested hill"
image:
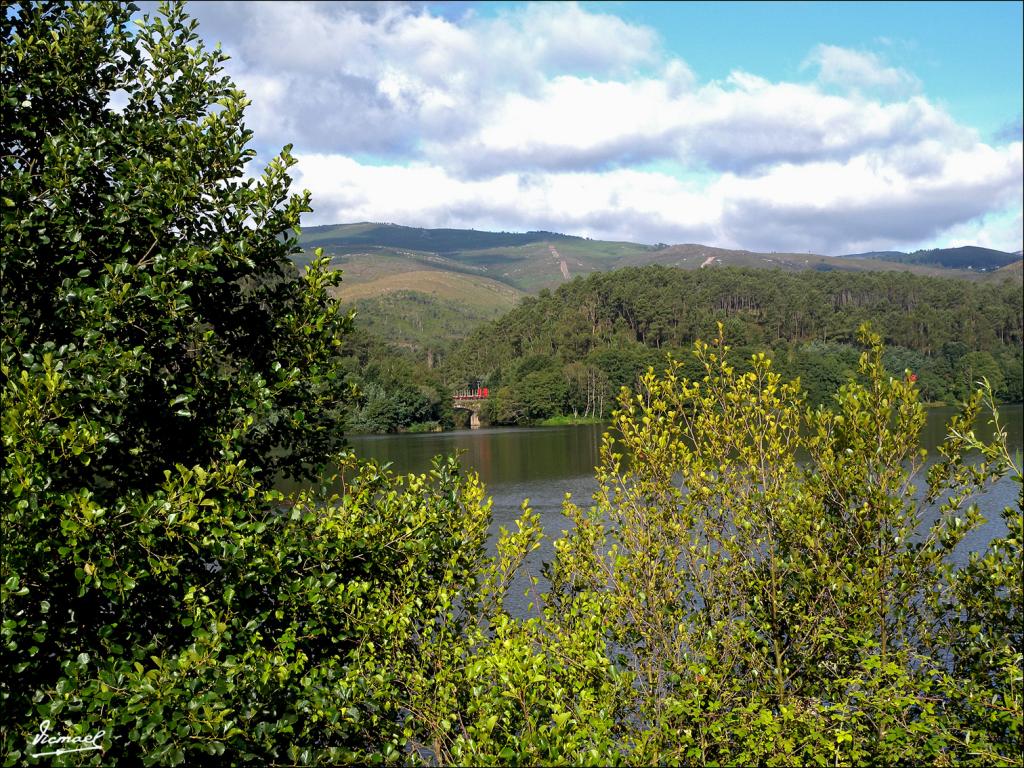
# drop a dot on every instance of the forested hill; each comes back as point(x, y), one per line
point(965, 257)
point(427, 288)
point(570, 349)
point(419, 239)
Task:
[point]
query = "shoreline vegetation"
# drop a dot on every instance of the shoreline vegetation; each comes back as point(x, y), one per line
point(562, 421)
point(571, 350)
point(163, 360)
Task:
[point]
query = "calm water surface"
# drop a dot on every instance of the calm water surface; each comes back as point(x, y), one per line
point(542, 464)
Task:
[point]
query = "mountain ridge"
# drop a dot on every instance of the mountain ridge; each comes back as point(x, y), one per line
point(348, 238)
point(972, 257)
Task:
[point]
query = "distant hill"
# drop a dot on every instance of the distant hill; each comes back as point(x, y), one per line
point(419, 239)
point(692, 256)
point(970, 257)
point(889, 255)
point(426, 288)
point(530, 261)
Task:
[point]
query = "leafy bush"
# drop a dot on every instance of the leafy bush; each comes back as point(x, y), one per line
point(771, 610)
point(162, 360)
point(724, 602)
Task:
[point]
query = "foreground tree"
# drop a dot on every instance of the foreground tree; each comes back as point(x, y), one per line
point(757, 582)
point(773, 610)
point(162, 361)
point(141, 263)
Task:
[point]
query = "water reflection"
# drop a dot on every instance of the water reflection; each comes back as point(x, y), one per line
point(500, 456)
point(543, 464)
point(511, 455)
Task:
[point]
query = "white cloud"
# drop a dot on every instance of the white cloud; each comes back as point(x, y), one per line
point(831, 207)
point(383, 78)
point(868, 203)
point(1002, 230)
point(859, 69)
point(563, 37)
point(541, 117)
point(740, 125)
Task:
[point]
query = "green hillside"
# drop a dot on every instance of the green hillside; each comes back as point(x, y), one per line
point(538, 265)
point(533, 260)
point(419, 239)
point(418, 300)
point(420, 322)
point(568, 351)
point(1012, 272)
point(427, 287)
point(970, 257)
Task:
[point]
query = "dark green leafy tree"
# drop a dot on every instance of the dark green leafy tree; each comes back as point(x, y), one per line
point(139, 258)
point(162, 362)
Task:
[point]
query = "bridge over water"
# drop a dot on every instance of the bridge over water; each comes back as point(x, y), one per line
point(471, 400)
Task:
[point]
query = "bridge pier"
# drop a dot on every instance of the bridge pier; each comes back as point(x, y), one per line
point(471, 405)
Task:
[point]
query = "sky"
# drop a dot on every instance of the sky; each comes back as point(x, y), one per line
point(826, 127)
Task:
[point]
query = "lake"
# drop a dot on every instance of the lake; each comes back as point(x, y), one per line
point(542, 464)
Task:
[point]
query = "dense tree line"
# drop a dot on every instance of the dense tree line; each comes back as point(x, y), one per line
point(426, 240)
point(964, 257)
point(392, 389)
point(569, 350)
